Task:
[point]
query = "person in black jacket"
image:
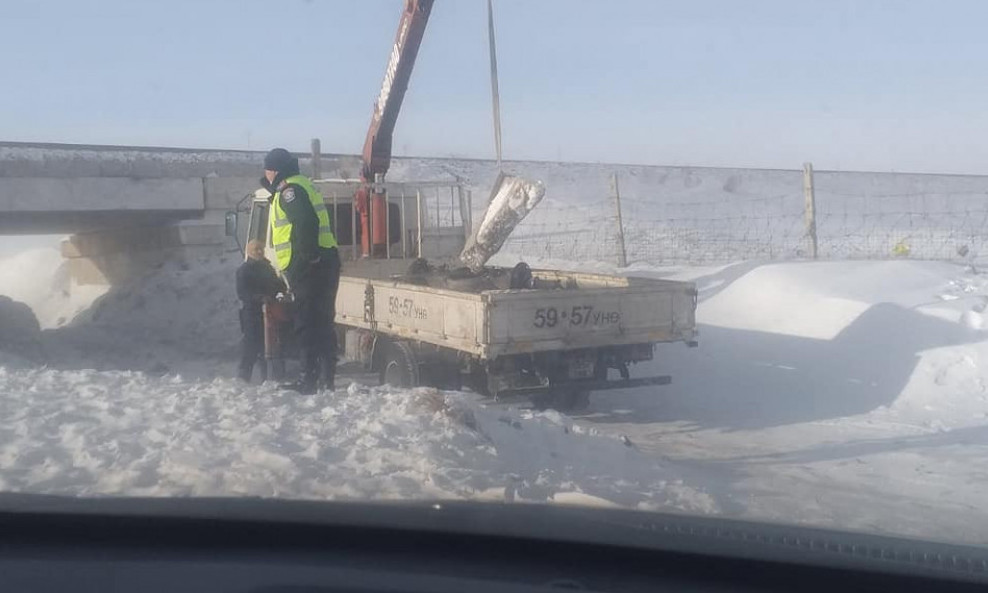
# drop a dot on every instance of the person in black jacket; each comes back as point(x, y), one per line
point(256, 281)
point(306, 253)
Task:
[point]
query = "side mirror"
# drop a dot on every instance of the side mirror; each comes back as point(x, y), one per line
point(231, 224)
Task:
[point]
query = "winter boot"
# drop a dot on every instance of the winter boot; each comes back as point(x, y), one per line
point(302, 387)
point(307, 383)
point(244, 372)
point(329, 377)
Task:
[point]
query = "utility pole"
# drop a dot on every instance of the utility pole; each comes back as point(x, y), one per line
point(616, 192)
point(495, 95)
point(316, 158)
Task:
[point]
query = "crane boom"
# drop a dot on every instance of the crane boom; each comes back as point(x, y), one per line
point(377, 146)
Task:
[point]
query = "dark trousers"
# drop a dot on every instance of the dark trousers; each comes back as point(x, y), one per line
point(252, 343)
point(315, 287)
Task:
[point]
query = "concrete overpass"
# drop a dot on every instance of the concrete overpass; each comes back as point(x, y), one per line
point(47, 188)
point(33, 205)
point(127, 207)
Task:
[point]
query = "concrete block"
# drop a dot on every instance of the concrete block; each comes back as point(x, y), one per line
point(115, 268)
point(17, 165)
point(34, 194)
point(146, 168)
point(130, 240)
point(223, 193)
point(113, 168)
point(86, 272)
point(70, 160)
point(144, 238)
point(69, 248)
point(79, 166)
point(118, 268)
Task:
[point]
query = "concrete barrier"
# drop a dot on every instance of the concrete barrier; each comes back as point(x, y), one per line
point(113, 257)
point(106, 194)
point(223, 193)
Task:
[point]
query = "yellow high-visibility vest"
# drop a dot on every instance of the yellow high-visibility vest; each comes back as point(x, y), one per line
point(281, 227)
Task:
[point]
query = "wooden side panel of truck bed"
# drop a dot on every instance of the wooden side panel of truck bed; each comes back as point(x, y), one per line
point(442, 317)
point(604, 311)
point(530, 321)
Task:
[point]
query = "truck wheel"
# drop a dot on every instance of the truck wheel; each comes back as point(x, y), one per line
point(400, 367)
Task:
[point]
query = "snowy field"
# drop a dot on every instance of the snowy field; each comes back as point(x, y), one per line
point(848, 394)
point(88, 433)
point(840, 394)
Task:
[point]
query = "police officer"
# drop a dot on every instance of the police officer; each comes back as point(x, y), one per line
point(256, 281)
point(305, 252)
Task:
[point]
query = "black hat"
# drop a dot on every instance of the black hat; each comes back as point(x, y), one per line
point(280, 160)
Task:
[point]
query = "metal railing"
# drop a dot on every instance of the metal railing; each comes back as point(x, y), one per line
point(439, 205)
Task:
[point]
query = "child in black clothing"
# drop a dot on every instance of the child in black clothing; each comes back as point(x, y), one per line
point(256, 282)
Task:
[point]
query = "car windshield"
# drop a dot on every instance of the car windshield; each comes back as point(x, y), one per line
point(713, 258)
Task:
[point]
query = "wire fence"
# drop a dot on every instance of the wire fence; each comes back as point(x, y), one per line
point(729, 218)
point(941, 226)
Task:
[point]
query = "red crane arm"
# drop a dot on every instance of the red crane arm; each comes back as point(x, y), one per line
point(377, 146)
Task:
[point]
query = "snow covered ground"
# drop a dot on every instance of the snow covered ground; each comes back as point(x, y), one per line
point(843, 394)
point(846, 394)
point(89, 432)
point(179, 318)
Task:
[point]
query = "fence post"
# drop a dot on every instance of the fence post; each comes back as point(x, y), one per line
point(316, 156)
point(420, 221)
point(616, 192)
point(809, 209)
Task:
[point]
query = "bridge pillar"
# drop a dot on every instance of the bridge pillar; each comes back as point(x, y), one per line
point(114, 256)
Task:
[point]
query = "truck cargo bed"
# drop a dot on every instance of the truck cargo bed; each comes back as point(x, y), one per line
point(573, 311)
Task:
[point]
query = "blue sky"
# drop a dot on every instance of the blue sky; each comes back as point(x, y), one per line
point(847, 84)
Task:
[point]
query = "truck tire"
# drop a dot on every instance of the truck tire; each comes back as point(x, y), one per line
point(400, 367)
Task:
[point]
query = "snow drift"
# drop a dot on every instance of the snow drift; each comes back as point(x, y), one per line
point(180, 317)
point(851, 395)
point(89, 433)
